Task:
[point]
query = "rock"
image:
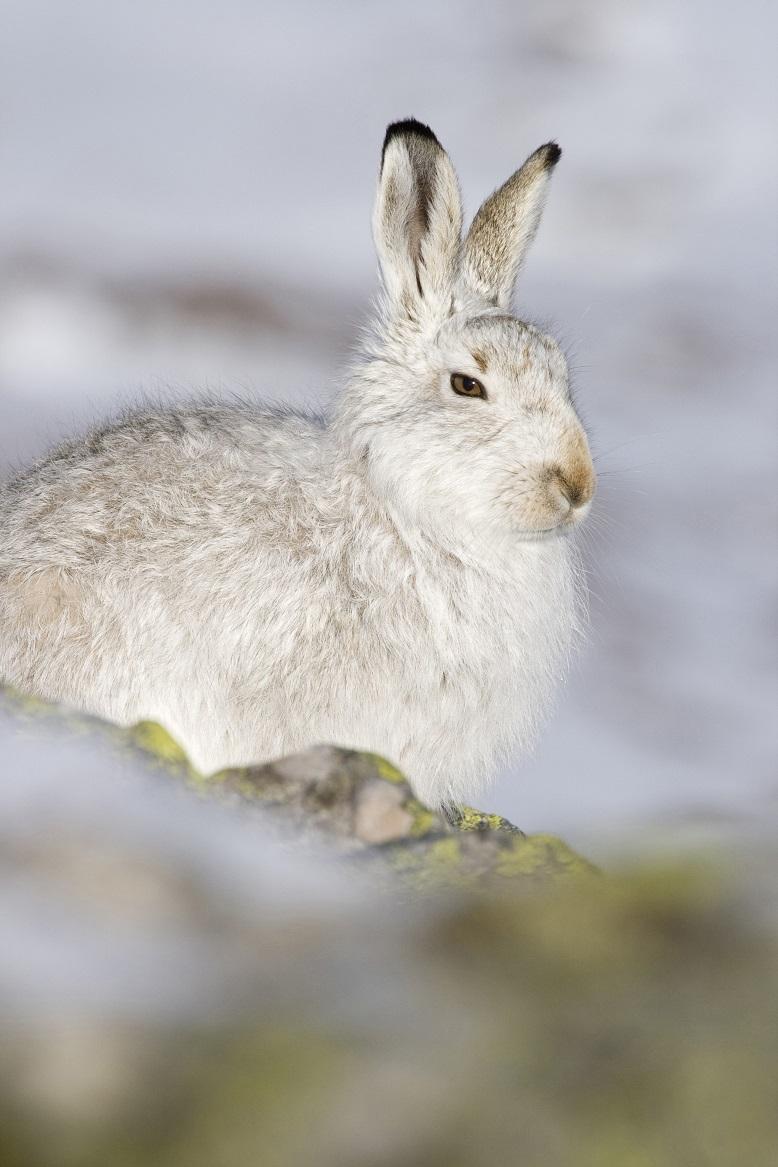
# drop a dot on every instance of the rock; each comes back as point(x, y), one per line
point(380, 815)
point(354, 802)
point(183, 983)
point(362, 806)
point(147, 741)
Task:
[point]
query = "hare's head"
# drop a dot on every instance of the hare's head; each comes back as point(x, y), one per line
point(462, 411)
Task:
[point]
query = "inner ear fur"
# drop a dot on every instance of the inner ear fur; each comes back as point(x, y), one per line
point(504, 228)
point(417, 222)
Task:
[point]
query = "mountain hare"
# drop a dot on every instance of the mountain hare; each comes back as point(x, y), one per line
point(391, 578)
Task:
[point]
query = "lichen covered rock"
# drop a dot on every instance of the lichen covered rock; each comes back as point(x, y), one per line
point(187, 980)
point(147, 741)
point(363, 806)
point(355, 802)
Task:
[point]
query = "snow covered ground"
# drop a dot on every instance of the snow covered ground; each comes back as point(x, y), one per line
point(186, 200)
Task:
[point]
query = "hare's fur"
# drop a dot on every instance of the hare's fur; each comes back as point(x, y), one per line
point(390, 578)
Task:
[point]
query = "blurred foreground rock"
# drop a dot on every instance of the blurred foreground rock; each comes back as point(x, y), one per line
point(354, 803)
point(216, 972)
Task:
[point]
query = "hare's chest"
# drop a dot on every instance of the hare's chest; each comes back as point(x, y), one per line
point(496, 644)
point(460, 647)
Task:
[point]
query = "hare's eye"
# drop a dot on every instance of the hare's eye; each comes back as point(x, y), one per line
point(467, 386)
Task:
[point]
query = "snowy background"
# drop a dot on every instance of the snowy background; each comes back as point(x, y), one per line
point(185, 201)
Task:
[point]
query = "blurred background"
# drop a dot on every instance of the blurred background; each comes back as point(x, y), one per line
point(185, 203)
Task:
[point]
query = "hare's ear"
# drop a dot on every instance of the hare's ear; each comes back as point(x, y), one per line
point(503, 229)
point(417, 222)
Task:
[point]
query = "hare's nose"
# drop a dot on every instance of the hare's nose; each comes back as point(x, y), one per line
point(573, 491)
point(576, 487)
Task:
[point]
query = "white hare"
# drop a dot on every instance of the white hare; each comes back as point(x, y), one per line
point(390, 578)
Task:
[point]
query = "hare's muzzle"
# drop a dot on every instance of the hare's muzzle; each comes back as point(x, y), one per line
point(573, 489)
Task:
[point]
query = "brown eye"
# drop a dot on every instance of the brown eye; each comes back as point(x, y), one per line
point(467, 386)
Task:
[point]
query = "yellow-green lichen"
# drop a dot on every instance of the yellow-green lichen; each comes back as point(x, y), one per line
point(424, 820)
point(155, 739)
point(385, 769)
point(433, 865)
point(470, 819)
point(237, 780)
point(443, 853)
point(36, 710)
point(541, 855)
point(23, 702)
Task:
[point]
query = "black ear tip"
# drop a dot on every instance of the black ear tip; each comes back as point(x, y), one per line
point(553, 153)
point(408, 126)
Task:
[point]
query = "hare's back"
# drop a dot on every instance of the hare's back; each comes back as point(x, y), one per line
point(157, 481)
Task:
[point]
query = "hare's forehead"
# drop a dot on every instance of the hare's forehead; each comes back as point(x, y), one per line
point(503, 344)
